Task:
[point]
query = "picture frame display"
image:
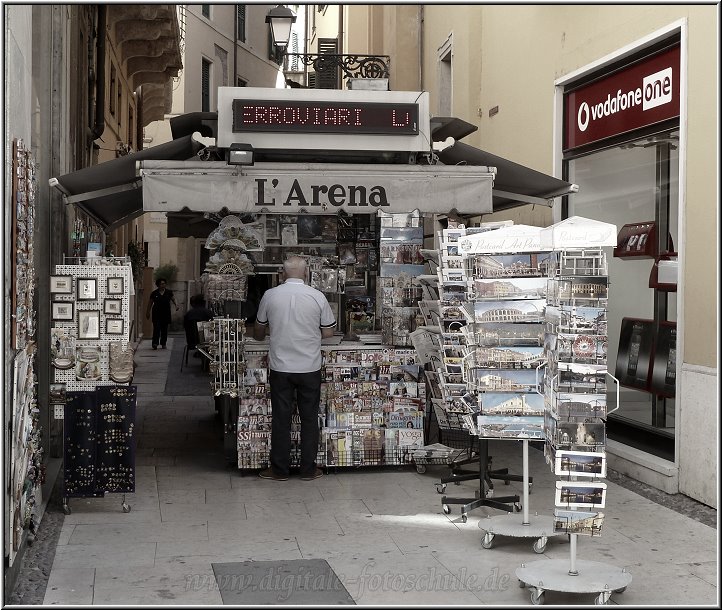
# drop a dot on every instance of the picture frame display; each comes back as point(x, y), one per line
point(114, 326)
point(62, 311)
point(113, 307)
point(87, 289)
point(89, 324)
point(61, 284)
point(115, 285)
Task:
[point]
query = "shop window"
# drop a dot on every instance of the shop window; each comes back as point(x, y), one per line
point(205, 85)
point(636, 181)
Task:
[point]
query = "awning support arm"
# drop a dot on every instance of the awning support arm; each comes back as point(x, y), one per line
point(136, 184)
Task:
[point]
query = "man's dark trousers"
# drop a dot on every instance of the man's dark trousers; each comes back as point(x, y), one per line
point(307, 388)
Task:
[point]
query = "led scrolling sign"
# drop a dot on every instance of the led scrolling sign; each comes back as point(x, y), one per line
point(325, 117)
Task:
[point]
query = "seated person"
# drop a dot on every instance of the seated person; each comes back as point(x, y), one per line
point(197, 313)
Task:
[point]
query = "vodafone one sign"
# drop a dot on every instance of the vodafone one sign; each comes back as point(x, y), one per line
point(638, 96)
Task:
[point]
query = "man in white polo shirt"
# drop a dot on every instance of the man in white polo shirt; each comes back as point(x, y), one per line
point(296, 317)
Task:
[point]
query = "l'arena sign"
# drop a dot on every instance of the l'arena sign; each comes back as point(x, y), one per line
point(324, 120)
point(320, 195)
point(314, 188)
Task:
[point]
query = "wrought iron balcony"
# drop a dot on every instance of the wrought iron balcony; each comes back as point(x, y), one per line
point(351, 66)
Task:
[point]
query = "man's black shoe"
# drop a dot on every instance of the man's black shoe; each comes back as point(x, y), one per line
point(314, 475)
point(269, 474)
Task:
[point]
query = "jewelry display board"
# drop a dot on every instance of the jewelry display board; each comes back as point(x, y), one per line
point(91, 310)
point(99, 442)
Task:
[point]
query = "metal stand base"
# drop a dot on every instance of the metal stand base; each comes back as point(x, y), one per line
point(590, 577)
point(540, 527)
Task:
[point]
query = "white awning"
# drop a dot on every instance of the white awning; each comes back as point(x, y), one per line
point(314, 188)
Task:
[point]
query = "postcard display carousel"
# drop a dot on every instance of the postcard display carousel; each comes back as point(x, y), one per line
point(506, 286)
point(93, 366)
point(575, 403)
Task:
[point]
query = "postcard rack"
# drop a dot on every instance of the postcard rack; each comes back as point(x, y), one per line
point(575, 402)
point(507, 292)
point(457, 408)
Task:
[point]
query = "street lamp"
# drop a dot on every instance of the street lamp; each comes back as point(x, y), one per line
point(281, 19)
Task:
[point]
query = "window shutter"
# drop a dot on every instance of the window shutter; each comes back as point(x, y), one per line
point(328, 79)
point(241, 21)
point(206, 86)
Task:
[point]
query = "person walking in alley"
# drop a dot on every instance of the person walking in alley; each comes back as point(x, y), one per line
point(296, 317)
point(159, 303)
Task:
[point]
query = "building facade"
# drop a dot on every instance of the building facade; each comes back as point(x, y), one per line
point(81, 82)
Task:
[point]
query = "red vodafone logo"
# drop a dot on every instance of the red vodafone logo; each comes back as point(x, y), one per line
point(641, 95)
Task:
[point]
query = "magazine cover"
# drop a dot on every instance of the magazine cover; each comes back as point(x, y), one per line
point(584, 523)
point(254, 376)
point(580, 464)
point(413, 419)
point(373, 446)
point(310, 227)
point(409, 440)
point(580, 495)
point(289, 235)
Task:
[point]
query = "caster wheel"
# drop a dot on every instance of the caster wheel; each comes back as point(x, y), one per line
point(487, 542)
point(602, 599)
point(420, 468)
point(446, 509)
point(522, 584)
point(540, 545)
point(66, 509)
point(537, 598)
point(126, 507)
point(622, 590)
point(464, 518)
point(507, 482)
point(517, 507)
point(440, 488)
point(457, 482)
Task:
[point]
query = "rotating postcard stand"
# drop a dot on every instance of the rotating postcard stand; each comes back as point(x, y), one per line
point(507, 270)
point(578, 575)
point(575, 416)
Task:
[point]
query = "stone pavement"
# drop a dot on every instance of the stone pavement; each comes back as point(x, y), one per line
point(382, 530)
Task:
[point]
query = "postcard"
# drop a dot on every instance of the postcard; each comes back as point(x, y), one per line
point(580, 495)
point(584, 523)
point(580, 464)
